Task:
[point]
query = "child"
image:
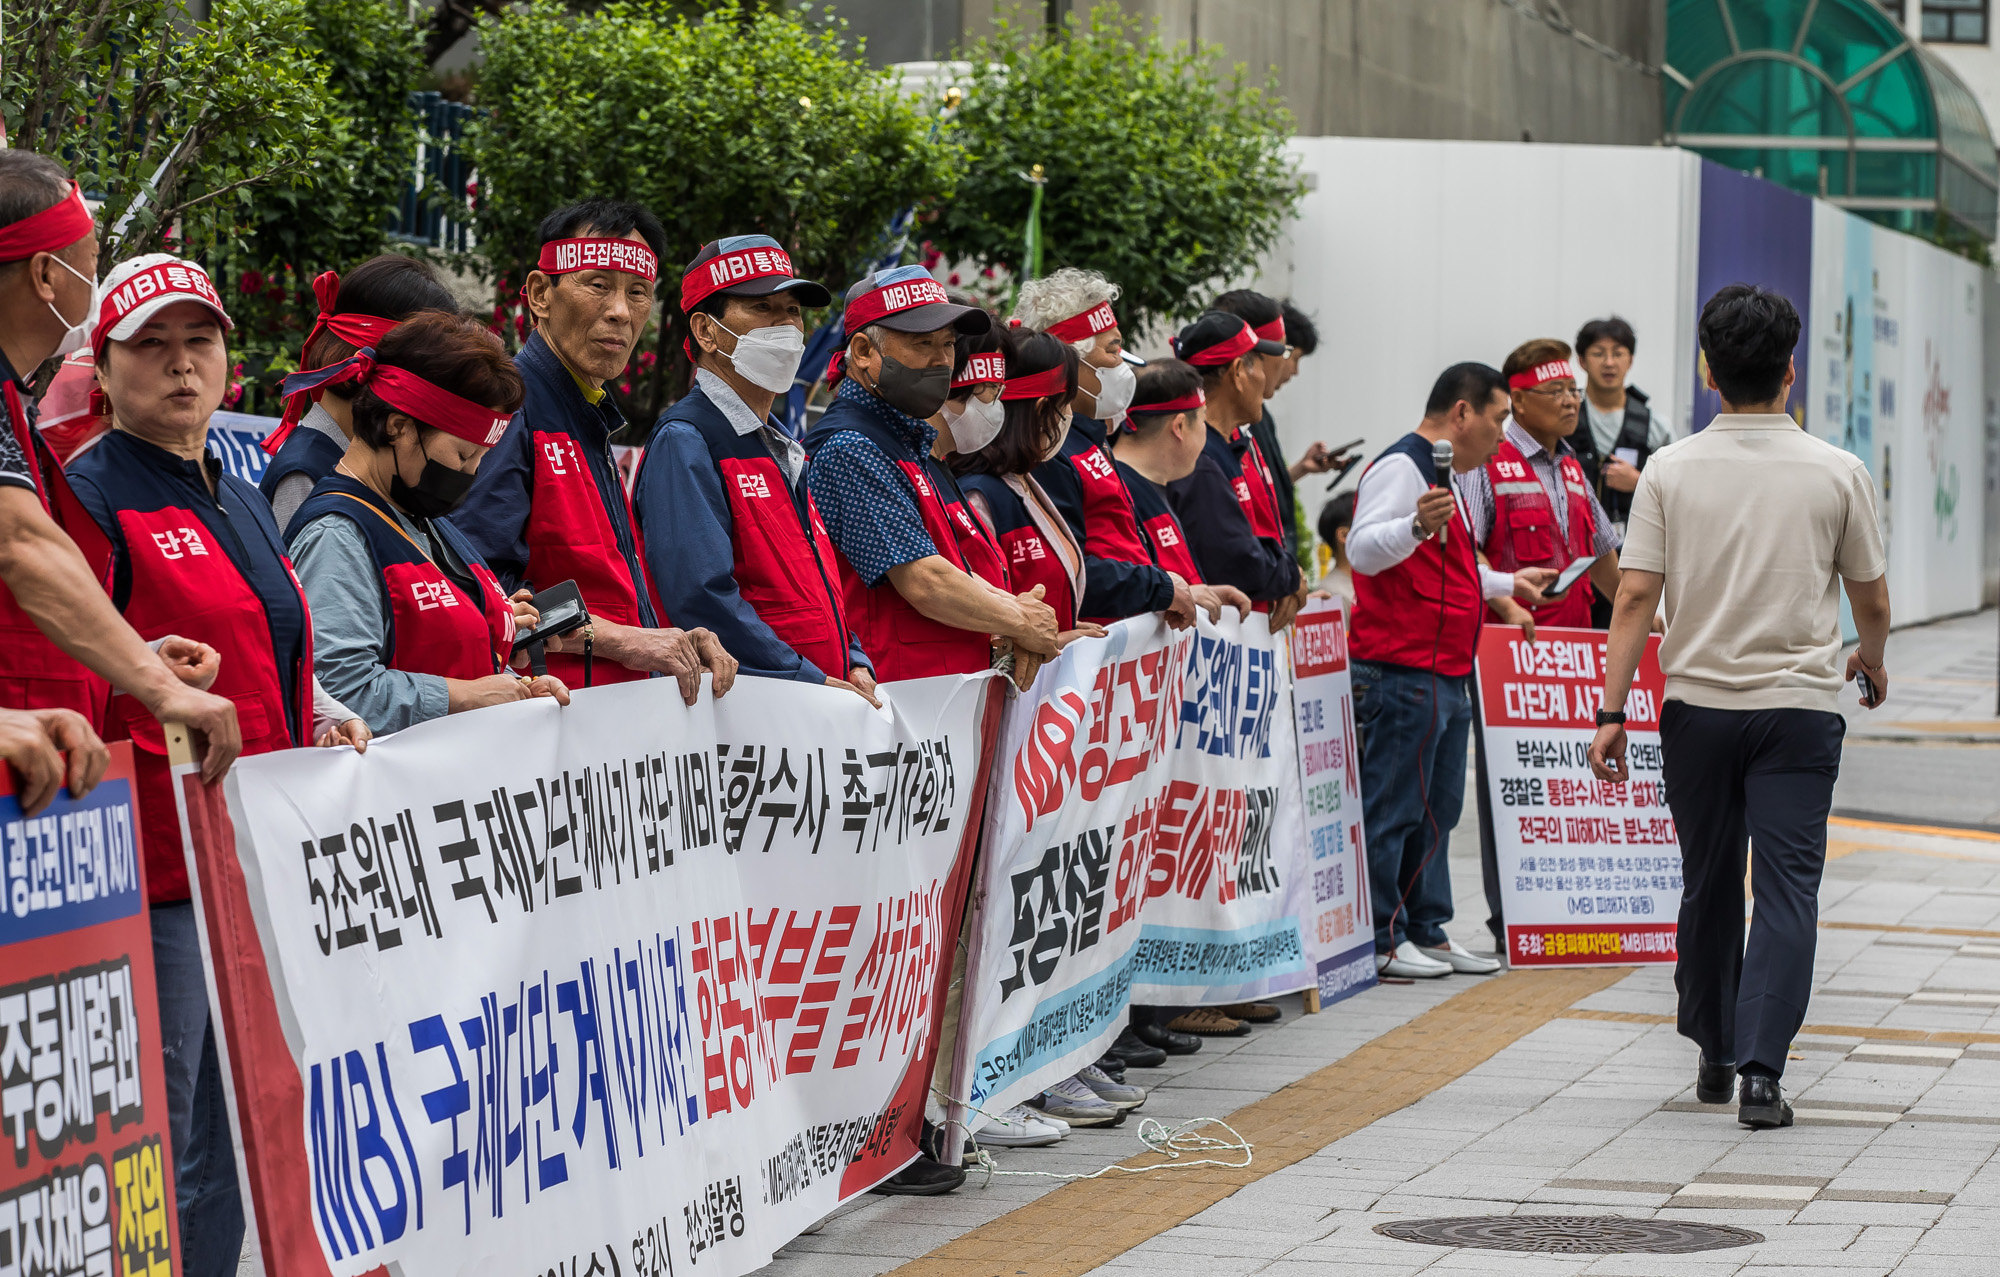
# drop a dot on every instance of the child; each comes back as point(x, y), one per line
point(1335, 517)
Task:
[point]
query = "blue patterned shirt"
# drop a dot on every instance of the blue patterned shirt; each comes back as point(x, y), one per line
point(863, 499)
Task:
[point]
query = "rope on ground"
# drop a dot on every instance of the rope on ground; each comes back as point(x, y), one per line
point(1172, 1142)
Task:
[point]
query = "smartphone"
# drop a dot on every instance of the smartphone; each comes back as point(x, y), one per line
point(1869, 698)
point(1351, 443)
point(562, 610)
point(1569, 576)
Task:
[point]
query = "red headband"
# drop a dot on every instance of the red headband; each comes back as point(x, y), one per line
point(1090, 323)
point(728, 269)
point(57, 226)
point(357, 330)
point(1273, 331)
point(406, 392)
point(1186, 403)
point(1034, 385)
point(1542, 374)
point(891, 299)
point(1223, 352)
point(982, 370)
point(561, 256)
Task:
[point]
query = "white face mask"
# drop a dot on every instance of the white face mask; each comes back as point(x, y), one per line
point(1115, 387)
point(767, 357)
point(76, 336)
point(974, 423)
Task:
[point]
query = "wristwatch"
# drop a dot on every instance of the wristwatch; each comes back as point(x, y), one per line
point(1417, 529)
point(1608, 717)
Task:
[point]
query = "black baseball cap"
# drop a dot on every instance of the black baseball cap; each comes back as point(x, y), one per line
point(746, 266)
point(1218, 337)
point(908, 300)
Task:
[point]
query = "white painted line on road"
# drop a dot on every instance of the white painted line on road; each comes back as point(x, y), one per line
point(1979, 951)
point(1869, 1117)
point(1959, 999)
point(1911, 1053)
point(1780, 1192)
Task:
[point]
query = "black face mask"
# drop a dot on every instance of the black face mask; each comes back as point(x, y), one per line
point(920, 392)
point(437, 492)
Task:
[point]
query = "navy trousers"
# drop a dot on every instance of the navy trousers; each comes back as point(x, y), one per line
point(1413, 726)
point(1764, 777)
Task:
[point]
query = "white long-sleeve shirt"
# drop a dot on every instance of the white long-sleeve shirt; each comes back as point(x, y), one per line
point(1384, 505)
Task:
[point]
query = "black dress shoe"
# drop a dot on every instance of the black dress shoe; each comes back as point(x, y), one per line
point(1166, 1039)
point(1713, 1082)
point(1761, 1104)
point(921, 1178)
point(1134, 1053)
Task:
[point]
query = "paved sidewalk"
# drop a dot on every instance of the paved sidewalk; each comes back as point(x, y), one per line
point(1897, 1081)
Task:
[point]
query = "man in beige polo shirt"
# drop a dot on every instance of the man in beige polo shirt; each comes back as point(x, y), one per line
point(1750, 528)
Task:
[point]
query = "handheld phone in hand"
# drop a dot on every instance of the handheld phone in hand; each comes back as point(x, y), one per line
point(1576, 569)
point(562, 610)
point(1869, 697)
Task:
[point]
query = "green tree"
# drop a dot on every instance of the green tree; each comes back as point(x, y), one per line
point(1161, 173)
point(174, 124)
point(742, 121)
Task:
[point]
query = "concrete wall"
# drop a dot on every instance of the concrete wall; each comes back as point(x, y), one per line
point(1495, 70)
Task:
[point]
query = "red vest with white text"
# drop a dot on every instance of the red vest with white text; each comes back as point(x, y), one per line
point(1163, 528)
point(1526, 534)
point(570, 537)
point(1424, 613)
point(1259, 494)
point(1031, 560)
point(983, 556)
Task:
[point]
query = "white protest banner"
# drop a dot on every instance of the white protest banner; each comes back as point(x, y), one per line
point(1590, 872)
point(1340, 926)
point(1130, 850)
point(621, 988)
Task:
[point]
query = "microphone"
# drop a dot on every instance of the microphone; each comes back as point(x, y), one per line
point(1441, 460)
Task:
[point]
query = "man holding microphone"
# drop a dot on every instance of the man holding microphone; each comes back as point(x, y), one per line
point(1420, 598)
point(1750, 529)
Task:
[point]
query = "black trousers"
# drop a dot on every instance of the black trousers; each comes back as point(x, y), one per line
point(1765, 777)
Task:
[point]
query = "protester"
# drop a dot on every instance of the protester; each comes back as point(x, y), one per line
point(193, 549)
point(961, 426)
point(64, 641)
point(408, 623)
point(908, 593)
point(354, 313)
point(1419, 599)
point(33, 742)
point(1232, 532)
point(1287, 325)
point(1074, 306)
point(731, 537)
point(1336, 517)
point(1750, 529)
point(548, 505)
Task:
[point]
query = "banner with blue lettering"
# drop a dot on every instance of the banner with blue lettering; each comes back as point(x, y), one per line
point(1341, 929)
point(86, 1175)
point(1144, 843)
point(620, 988)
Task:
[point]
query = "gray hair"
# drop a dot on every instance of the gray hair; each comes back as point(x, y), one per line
point(29, 184)
point(1054, 298)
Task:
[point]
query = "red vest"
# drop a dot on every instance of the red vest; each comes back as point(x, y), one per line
point(570, 537)
point(34, 672)
point(1425, 613)
point(1031, 560)
point(435, 627)
point(903, 642)
point(1526, 534)
point(1110, 526)
point(1258, 494)
point(983, 555)
point(1163, 528)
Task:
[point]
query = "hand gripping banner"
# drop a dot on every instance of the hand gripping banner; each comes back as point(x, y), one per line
point(1143, 844)
point(623, 987)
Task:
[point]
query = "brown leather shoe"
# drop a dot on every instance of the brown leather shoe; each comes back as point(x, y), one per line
point(1253, 1012)
point(1208, 1022)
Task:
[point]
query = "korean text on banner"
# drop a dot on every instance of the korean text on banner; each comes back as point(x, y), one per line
point(86, 1178)
point(1590, 872)
point(1142, 842)
point(623, 986)
point(1339, 926)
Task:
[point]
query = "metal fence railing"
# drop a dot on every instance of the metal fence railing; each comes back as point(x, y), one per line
point(436, 209)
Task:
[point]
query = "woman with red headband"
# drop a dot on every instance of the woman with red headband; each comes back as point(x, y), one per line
point(354, 313)
point(194, 551)
point(409, 623)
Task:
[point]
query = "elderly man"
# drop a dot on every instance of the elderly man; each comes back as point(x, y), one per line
point(547, 505)
point(1120, 577)
point(57, 626)
point(731, 536)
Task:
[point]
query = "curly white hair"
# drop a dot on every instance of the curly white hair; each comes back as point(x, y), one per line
point(1054, 298)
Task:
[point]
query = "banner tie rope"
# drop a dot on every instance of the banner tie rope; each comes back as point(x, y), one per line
point(1172, 1142)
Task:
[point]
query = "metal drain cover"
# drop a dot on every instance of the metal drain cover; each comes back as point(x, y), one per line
point(1570, 1234)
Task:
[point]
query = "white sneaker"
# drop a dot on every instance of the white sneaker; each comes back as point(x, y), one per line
point(1456, 956)
point(1018, 1127)
point(1410, 963)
